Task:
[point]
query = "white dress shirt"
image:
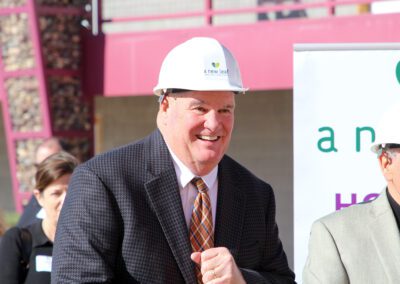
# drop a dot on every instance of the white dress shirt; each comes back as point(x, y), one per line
point(189, 192)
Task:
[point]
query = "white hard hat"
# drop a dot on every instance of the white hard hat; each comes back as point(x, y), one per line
point(388, 129)
point(199, 64)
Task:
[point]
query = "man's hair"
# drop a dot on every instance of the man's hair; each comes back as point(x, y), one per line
point(53, 168)
point(48, 147)
point(52, 142)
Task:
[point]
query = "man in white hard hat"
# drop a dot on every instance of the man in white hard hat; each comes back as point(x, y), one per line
point(173, 208)
point(361, 243)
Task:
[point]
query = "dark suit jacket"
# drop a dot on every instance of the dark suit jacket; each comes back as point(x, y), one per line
point(123, 222)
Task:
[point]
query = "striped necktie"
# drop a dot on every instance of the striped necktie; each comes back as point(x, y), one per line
point(201, 224)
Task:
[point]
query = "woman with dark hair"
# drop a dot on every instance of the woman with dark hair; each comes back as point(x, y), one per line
point(26, 253)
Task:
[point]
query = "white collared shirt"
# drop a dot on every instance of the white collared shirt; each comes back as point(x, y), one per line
point(189, 192)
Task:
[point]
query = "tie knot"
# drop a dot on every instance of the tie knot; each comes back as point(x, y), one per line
point(199, 184)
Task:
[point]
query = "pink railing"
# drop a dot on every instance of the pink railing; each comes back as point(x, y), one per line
point(209, 12)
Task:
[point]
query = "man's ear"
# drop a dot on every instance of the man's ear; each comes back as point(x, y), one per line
point(164, 104)
point(385, 162)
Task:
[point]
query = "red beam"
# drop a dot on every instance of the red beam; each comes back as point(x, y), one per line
point(208, 12)
point(51, 10)
point(13, 10)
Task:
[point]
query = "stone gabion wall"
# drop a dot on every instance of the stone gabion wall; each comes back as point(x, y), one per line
point(61, 41)
point(11, 3)
point(25, 151)
point(60, 38)
point(22, 92)
point(68, 109)
point(16, 45)
point(79, 147)
point(24, 104)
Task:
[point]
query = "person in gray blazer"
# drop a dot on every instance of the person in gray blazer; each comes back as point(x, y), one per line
point(128, 214)
point(361, 243)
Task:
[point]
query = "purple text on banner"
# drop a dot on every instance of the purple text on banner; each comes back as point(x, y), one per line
point(340, 204)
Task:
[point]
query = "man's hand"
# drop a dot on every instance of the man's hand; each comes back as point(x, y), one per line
point(218, 266)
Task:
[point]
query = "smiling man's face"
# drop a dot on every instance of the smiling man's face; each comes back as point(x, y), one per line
point(197, 126)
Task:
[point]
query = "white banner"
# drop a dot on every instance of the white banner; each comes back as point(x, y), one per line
point(340, 91)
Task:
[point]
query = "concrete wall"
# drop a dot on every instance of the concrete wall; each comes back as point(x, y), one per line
point(6, 198)
point(262, 140)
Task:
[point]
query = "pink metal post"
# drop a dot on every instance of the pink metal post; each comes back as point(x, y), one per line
point(13, 136)
point(38, 76)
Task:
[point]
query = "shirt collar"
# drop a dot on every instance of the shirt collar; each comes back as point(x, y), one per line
point(395, 207)
point(185, 175)
point(39, 238)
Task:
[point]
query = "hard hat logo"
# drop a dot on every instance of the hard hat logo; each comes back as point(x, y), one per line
point(216, 70)
point(207, 66)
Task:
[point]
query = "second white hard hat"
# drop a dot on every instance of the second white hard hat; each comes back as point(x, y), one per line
point(388, 129)
point(200, 64)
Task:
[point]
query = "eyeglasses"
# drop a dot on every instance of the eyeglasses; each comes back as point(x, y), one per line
point(392, 146)
point(391, 149)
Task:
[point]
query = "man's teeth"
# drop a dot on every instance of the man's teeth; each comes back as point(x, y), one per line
point(208, 138)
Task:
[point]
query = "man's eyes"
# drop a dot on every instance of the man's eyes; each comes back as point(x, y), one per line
point(200, 109)
point(226, 110)
point(204, 110)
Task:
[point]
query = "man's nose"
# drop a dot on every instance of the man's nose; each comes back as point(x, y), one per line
point(212, 120)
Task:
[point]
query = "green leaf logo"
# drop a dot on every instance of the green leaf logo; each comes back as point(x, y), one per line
point(215, 64)
point(398, 72)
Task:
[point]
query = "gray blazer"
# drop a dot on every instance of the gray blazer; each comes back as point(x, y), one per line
point(359, 244)
point(123, 222)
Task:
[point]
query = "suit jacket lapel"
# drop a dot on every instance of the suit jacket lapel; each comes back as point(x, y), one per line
point(231, 206)
point(163, 192)
point(385, 236)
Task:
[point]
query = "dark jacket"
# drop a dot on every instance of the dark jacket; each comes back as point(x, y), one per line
point(123, 222)
point(25, 256)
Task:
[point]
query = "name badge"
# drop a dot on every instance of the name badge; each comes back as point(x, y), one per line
point(43, 263)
